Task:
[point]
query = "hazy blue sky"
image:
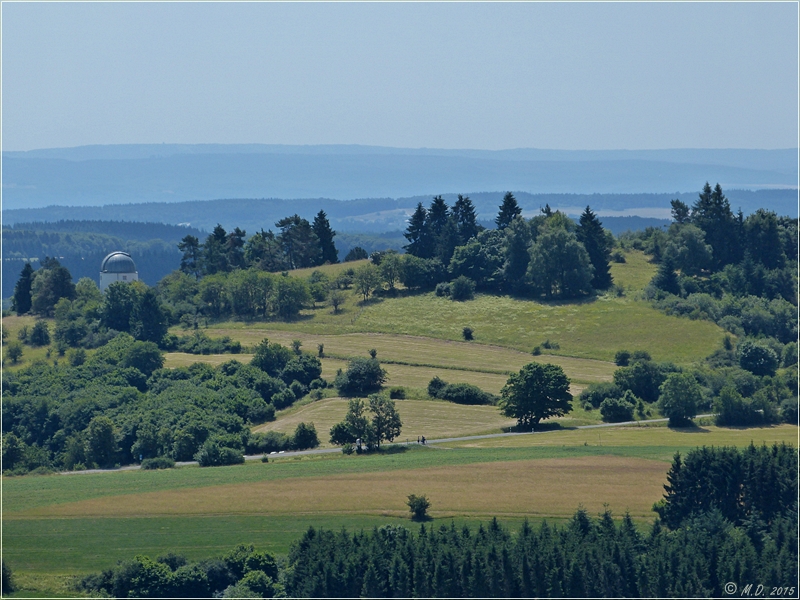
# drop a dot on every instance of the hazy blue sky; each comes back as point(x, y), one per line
point(569, 76)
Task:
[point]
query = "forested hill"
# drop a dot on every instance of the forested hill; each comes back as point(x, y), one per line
point(126, 230)
point(82, 254)
point(387, 214)
point(173, 173)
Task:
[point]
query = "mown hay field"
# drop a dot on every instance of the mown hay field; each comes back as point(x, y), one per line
point(431, 418)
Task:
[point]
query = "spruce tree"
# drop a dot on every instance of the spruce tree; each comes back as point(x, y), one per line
point(438, 215)
point(21, 301)
point(466, 219)
point(666, 279)
point(322, 228)
point(417, 234)
point(508, 210)
point(712, 213)
point(192, 259)
point(591, 234)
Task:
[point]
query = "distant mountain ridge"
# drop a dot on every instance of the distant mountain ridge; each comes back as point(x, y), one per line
point(122, 174)
point(385, 214)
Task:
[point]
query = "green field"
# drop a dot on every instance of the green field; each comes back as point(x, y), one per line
point(57, 525)
point(594, 328)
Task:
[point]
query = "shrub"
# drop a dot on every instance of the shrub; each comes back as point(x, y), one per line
point(442, 289)
point(418, 505)
point(40, 334)
point(214, 454)
point(357, 253)
point(283, 399)
point(641, 355)
point(76, 356)
point(363, 376)
point(550, 345)
point(435, 386)
point(159, 462)
point(596, 393)
point(465, 393)
point(8, 580)
point(298, 390)
point(537, 350)
point(462, 288)
point(467, 333)
point(617, 257)
point(397, 393)
point(305, 436)
point(617, 410)
point(348, 448)
point(271, 441)
point(622, 358)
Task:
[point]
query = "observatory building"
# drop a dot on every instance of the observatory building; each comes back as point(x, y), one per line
point(117, 266)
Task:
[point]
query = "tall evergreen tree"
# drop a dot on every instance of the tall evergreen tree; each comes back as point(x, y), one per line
point(712, 213)
point(418, 234)
point(438, 213)
point(322, 228)
point(517, 256)
point(234, 248)
point(593, 237)
point(21, 301)
point(466, 219)
point(509, 209)
point(192, 259)
point(665, 278)
point(151, 321)
point(215, 256)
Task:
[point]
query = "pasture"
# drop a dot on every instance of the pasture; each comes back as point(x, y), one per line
point(594, 328)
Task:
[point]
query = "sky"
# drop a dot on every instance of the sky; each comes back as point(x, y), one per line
point(437, 75)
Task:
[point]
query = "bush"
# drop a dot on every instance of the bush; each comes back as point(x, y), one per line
point(159, 462)
point(418, 505)
point(8, 580)
point(363, 376)
point(550, 345)
point(537, 350)
point(465, 393)
point(467, 333)
point(435, 386)
point(40, 334)
point(213, 454)
point(617, 410)
point(357, 253)
point(622, 358)
point(617, 257)
point(442, 289)
point(462, 288)
point(348, 448)
point(298, 390)
point(397, 393)
point(271, 441)
point(283, 399)
point(305, 437)
point(76, 356)
point(597, 393)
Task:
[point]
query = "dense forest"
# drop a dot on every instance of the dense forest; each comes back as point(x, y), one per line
point(705, 538)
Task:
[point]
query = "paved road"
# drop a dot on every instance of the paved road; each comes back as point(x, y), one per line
point(428, 443)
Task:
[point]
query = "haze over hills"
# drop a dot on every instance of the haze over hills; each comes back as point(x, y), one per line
point(166, 173)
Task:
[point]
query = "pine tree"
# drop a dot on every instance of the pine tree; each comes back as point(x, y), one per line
point(466, 219)
point(21, 301)
point(418, 234)
point(712, 213)
point(191, 261)
point(666, 279)
point(509, 209)
point(215, 257)
point(438, 215)
point(234, 248)
point(322, 227)
point(593, 237)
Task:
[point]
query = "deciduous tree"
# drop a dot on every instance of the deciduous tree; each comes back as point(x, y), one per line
point(538, 391)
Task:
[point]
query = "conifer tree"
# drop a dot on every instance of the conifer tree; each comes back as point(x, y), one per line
point(591, 234)
point(466, 219)
point(322, 228)
point(21, 301)
point(666, 279)
point(192, 259)
point(418, 234)
point(509, 209)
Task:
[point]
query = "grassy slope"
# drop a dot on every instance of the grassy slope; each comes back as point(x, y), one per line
point(594, 328)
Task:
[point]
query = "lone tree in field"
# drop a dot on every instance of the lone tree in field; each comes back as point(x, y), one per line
point(418, 505)
point(537, 392)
